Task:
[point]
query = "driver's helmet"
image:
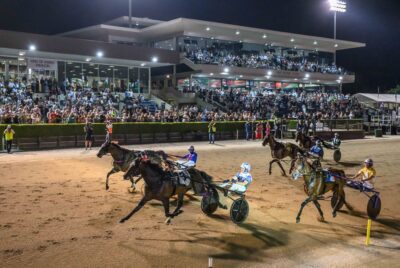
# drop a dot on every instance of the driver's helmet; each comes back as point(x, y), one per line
point(336, 135)
point(191, 148)
point(246, 167)
point(369, 162)
point(318, 143)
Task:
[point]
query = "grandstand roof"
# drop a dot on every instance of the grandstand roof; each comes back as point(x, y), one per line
point(386, 98)
point(154, 30)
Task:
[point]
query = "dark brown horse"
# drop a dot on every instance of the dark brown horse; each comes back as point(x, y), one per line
point(279, 151)
point(123, 158)
point(306, 142)
point(160, 186)
point(317, 182)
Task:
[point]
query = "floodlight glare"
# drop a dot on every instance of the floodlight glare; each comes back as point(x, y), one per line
point(32, 47)
point(338, 6)
point(154, 59)
point(269, 73)
point(99, 54)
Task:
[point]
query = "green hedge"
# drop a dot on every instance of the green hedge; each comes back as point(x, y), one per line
point(51, 130)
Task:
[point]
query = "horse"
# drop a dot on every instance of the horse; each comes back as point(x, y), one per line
point(160, 186)
point(306, 142)
point(317, 182)
point(279, 151)
point(123, 158)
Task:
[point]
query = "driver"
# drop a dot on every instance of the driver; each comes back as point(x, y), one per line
point(317, 153)
point(241, 181)
point(189, 159)
point(336, 141)
point(367, 174)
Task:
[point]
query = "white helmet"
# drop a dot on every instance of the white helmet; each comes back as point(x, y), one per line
point(246, 167)
point(369, 162)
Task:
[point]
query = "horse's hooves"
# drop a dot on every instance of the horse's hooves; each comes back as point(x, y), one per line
point(131, 190)
point(334, 214)
point(122, 220)
point(321, 219)
point(168, 220)
point(297, 220)
point(350, 208)
point(178, 212)
point(107, 188)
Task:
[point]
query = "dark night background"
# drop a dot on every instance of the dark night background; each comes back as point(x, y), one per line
point(374, 22)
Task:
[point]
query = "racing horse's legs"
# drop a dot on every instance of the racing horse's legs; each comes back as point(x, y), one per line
point(292, 163)
point(339, 200)
point(305, 202)
point(133, 183)
point(279, 164)
point(112, 171)
point(318, 206)
point(178, 210)
point(141, 203)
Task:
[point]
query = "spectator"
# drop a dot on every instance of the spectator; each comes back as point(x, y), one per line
point(9, 136)
point(267, 129)
point(212, 129)
point(88, 135)
point(259, 129)
point(248, 130)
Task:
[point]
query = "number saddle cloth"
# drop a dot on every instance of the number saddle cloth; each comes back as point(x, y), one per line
point(179, 177)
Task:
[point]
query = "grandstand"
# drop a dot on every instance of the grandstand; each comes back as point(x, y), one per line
point(90, 72)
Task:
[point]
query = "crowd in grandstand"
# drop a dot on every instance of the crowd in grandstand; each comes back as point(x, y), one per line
point(293, 104)
point(266, 60)
point(19, 104)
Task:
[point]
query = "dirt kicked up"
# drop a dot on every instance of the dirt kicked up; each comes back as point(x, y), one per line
point(55, 212)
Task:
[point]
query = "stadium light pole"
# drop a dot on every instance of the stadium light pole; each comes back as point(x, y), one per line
point(130, 13)
point(336, 6)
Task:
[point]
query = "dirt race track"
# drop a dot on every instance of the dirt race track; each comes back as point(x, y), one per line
point(55, 212)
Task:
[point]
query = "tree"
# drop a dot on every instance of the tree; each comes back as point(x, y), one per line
point(395, 90)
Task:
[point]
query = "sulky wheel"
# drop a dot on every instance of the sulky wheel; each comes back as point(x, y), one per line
point(210, 201)
point(337, 155)
point(374, 207)
point(239, 210)
point(334, 199)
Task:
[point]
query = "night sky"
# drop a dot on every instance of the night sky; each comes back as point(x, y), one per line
point(374, 22)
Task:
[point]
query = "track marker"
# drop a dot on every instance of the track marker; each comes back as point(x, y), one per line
point(368, 238)
point(210, 262)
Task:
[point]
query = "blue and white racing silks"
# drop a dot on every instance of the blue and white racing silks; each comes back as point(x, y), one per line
point(244, 176)
point(317, 150)
point(190, 157)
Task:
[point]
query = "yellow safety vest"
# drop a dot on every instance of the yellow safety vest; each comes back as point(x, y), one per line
point(9, 135)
